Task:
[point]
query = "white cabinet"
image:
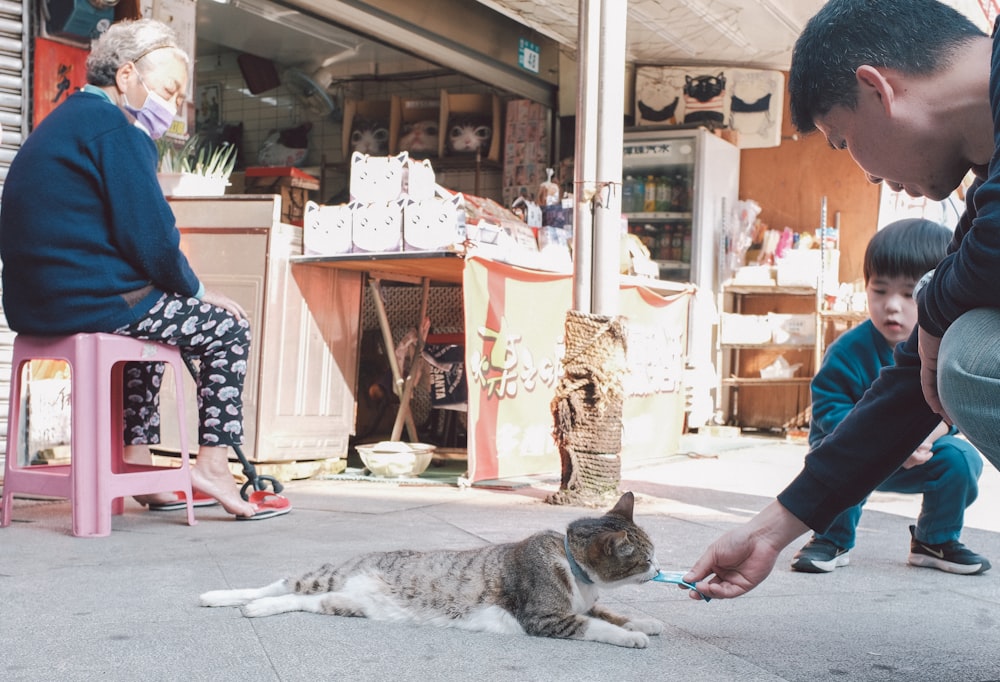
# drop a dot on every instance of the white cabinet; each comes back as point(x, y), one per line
point(299, 395)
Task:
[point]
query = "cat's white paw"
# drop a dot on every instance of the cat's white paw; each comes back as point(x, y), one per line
point(635, 640)
point(268, 606)
point(650, 626)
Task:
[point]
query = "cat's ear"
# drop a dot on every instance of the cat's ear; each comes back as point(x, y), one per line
point(624, 506)
point(616, 543)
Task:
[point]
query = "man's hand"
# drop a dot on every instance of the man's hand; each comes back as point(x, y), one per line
point(928, 347)
point(923, 451)
point(919, 456)
point(742, 558)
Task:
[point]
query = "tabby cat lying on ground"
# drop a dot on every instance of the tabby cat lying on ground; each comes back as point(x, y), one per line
point(546, 585)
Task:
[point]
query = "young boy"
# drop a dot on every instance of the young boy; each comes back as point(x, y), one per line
point(944, 468)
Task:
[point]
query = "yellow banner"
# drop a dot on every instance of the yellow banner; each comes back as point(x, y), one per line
point(514, 327)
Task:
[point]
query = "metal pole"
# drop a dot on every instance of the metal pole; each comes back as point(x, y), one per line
point(610, 138)
point(585, 152)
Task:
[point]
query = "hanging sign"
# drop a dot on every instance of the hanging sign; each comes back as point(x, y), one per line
point(528, 55)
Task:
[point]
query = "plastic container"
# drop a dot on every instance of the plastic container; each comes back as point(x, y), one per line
point(396, 459)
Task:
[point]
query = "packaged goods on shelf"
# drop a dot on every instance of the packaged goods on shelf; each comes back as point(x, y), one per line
point(792, 328)
point(735, 328)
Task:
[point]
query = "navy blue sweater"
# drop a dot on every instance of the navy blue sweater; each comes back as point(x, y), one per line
point(87, 240)
point(892, 418)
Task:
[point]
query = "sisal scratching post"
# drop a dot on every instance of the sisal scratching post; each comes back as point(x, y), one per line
point(587, 410)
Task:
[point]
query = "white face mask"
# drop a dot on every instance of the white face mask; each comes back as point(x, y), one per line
point(156, 114)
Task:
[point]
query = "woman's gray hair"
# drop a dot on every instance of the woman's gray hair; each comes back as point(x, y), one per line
point(128, 41)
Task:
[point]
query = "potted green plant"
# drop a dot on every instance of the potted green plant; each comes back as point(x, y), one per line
point(197, 169)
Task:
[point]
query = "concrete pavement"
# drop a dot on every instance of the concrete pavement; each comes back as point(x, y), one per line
point(125, 607)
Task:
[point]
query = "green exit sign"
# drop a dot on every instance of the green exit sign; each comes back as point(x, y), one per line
point(528, 55)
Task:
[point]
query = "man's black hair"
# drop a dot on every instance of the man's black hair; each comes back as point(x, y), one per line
point(909, 36)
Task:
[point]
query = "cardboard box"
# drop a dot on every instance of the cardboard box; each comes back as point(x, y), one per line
point(293, 185)
point(415, 127)
point(377, 111)
point(327, 229)
point(377, 227)
point(798, 267)
point(479, 107)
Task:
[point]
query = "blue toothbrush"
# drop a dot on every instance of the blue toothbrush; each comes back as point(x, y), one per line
point(677, 578)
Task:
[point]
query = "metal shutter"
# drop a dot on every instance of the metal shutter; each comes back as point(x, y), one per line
point(14, 100)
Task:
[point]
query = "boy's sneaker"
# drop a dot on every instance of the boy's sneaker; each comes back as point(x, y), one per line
point(820, 556)
point(953, 557)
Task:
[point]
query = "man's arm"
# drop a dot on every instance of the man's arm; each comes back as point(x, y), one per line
point(889, 422)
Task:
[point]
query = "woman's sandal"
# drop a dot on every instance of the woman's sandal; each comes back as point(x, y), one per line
point(267, 505)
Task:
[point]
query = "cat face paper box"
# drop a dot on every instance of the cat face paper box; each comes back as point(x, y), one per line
point(376, 179)
point(378, 227)
point(433, 224)
point(327, 229)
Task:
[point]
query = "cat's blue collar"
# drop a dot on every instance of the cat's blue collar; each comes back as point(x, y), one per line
point(577, 569)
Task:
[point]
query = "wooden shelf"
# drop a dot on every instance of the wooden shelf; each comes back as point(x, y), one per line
point(767, 289)
point(753, 381)
point(659, 215)
point(849, 316)
point(772, 402)
point(439, 266)
point(770, 346)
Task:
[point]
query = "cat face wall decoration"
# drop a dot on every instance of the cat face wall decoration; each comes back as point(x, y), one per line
point(369, 136)
point(469, 134)
point(420, 138)
point(704, 98)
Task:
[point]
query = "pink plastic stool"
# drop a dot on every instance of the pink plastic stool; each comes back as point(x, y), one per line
point(97, 478)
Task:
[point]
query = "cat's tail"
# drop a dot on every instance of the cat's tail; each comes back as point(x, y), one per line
point(242, 596)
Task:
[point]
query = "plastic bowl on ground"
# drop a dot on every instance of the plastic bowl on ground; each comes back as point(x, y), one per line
point(396, 459)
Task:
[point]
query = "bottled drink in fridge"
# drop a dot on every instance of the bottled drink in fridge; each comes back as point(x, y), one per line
point(663, 194)
point(628, 194)
point(677, 242)
point(649, 204)
point(686, 246)
point(681, 194)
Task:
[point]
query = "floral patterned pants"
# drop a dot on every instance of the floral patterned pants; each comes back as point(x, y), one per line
point(217, 341)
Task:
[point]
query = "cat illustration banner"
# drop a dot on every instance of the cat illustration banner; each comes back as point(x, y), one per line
point(514, 329)
point(750, 101)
